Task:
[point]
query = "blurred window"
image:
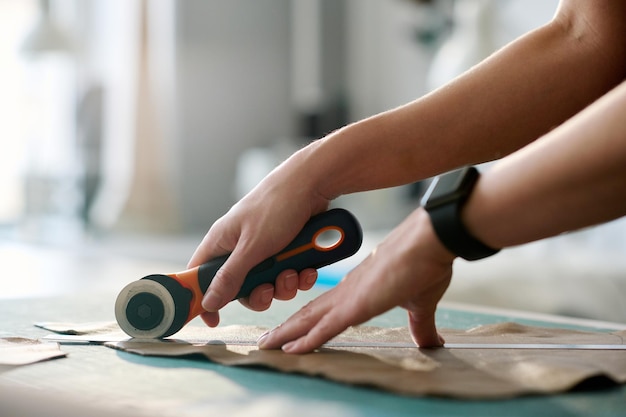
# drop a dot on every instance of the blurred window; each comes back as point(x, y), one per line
point(39, 170)
point(16, 17)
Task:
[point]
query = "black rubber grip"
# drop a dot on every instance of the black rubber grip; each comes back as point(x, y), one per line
point(182, 300)
point(293, 256)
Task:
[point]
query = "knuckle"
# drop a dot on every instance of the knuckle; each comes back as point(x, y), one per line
point(254, 305)
point(307, 313)
point(282, 294)
point(225, 283)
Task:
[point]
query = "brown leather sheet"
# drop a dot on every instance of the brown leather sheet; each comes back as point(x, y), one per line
point(359, 357)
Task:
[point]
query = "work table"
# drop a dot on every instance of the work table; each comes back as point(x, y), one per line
point(104, 379)
point(95, 380)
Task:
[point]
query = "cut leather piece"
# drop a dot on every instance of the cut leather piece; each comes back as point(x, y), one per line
point(89, 328)
point(459, 373)
point(15, 351)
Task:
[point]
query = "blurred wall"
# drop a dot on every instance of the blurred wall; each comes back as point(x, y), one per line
point(235, 89)
point(232, 92)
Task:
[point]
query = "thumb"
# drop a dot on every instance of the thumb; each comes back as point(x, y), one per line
point(423, 330)
point(206, 251)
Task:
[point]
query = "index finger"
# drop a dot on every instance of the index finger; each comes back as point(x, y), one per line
point(312, 326)
point(228, 280)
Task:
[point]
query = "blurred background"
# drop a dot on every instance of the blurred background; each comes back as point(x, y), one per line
point(127, 127)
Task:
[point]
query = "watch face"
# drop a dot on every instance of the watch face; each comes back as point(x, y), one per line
point(449, 187)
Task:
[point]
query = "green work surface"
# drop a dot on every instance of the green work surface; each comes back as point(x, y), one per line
point(102, 377)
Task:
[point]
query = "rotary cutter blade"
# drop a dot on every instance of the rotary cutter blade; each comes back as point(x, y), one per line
point(153, 307)
point(160, 305)
point(145, 309)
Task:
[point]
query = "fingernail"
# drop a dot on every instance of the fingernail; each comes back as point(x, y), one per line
point(267, 295)
point(311, 278)
point(291, 281)
point(211, 301)
point(260, 342)
point(288, 347)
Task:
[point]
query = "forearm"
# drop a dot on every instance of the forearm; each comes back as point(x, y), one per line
point(512, 98)
point(573, 177)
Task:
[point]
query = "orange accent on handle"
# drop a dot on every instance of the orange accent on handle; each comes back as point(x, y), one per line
point(324, 230)
point(189, 280)
point(295, 251)
point(313, 244)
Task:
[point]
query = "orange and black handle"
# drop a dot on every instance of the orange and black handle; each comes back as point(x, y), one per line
point(160, 305)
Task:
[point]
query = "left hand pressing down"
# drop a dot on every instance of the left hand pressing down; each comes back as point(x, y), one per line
point(410, 269)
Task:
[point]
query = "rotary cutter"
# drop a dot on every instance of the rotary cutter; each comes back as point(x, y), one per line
point(158, 305)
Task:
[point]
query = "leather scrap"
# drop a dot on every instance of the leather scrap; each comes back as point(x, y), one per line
point(15, 351)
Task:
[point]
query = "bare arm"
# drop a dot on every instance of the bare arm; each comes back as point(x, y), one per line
point(573, 177)
point(502, 104)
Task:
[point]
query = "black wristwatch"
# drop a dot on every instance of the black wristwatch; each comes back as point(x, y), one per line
point(443, 201)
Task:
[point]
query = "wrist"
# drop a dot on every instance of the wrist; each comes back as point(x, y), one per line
point(428, 237)
point(362, 156)
point(304, 172)
point(322, 167)
point(478, 213)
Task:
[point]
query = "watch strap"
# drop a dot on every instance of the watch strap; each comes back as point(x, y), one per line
point(453, 234)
